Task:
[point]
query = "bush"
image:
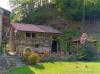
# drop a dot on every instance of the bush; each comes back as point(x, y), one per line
point(90, 52)
point(80, 55)
point(72, 58)
point(50, 58)
point(46, 53)
point(1, 50)
point(87, 52)
point(34, 58)
point(26, 53)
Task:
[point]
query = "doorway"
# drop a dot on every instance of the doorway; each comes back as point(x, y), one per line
point(54, 46)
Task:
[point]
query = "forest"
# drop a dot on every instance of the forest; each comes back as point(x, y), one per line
point(39, 11)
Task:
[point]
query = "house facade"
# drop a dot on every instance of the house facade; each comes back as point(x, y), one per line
point(39, 38)
point(4, 23)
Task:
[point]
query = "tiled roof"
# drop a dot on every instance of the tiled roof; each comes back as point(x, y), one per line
point(34, 28)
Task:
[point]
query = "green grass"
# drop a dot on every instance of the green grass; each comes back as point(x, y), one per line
point(60, 68)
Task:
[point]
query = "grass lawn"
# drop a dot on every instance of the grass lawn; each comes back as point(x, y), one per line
point(60, 68)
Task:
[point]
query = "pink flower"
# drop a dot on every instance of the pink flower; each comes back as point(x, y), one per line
point(83, 38)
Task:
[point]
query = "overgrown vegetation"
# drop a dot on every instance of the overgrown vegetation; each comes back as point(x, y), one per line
point(34, 58)
point(31, 57)
point(3, 47)
point(66, 38)
point(28, 11)
point(26, 53)
point(89, 51)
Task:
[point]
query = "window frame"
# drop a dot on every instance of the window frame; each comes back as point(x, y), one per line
point(30, 35)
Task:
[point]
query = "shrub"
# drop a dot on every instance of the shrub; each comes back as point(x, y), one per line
point(72, 58)
point(49, 59)
point(90, 52)
point(1, 50)
point(87, 52)
point(80, 55)
point(34, 58)
point(46, 53)
point(26, 53)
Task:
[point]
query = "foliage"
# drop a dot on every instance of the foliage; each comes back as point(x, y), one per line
point(18, 11)
point(72, 58)
point(66, 37)
point(69, 9)
point(31, 57)
point(38, 11)
point(26, 53)
point(31, 11)
point(50, 58)
point(72, 9)
point(86, 52)
point(41, 15)
point(77, 54)
point(34, 58)
point(80, 54)
point(1, 49)
point(90, 51)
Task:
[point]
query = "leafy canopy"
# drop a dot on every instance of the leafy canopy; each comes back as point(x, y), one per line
point(39, 11)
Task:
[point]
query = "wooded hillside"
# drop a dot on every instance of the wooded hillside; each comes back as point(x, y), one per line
point(41, 11)
point(72, 17)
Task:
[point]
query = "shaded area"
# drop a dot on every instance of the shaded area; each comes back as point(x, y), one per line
point(39, 67)
point(21, 70)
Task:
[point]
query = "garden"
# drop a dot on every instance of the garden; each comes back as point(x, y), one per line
point(77, 60)
point(61, 63)
point(72, 18)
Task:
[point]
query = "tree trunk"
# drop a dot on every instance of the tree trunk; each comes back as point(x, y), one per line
point(83, 11)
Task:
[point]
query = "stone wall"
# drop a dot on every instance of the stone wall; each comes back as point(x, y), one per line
point(40, 43)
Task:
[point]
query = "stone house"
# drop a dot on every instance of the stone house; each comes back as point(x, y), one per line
point(39, 38)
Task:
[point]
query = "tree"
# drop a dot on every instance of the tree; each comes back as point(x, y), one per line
point(29, 11)
point(78, 9)
point(83, 11)
point(20, 9)
point(24, 10)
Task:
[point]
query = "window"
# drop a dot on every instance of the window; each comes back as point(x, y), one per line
point(28, 34)
point(33, 35)
point(36, 45)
